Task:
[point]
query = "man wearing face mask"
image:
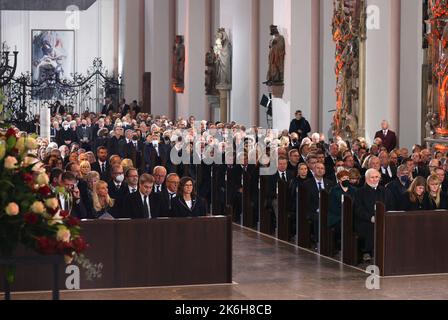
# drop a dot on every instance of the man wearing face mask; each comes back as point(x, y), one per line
point(396, 189)
point(117, 186)
point(364, 211)
point(343, 188)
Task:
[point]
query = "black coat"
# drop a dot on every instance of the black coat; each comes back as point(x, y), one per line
point(113, 147)
point(181, 210)
point(334, 203)
point(430, 204)
point(118, 194)
point(166, 203)
point(408, 205)
point(302, 127)
point(66, 135)
point(363, 211)
point(134, 205)
point(394, 195)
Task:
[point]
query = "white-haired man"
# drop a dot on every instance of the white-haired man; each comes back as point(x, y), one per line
point(364, 210)
point(388, 137)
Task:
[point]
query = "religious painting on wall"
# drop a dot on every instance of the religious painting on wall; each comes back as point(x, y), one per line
point(52, 57)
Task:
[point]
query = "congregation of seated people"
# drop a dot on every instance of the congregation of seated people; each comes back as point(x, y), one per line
point(118, 164)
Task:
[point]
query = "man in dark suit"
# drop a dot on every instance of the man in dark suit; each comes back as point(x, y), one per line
point(143, 204)
point(123, 108)
point(330, 160)
point(113, 144)
point(169, 194)
point(300, 125)
point(132, 148)
point(156, 154)
point(387, 136)
point(364, 210)
point(312, 188)
point(85, 135)
point(388, 172)
point(102, 166)
point(116, 186)
point(293, 163)
point(108, 107)
point(396, 189)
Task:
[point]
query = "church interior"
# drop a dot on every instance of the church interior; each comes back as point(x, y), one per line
point(223, 149)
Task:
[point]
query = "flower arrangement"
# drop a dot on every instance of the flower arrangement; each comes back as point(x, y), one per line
point(30, 214)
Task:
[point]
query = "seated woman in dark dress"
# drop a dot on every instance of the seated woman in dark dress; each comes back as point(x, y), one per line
point(436, 199)
point(103, 205)
point(414, 198)
point(187, 204)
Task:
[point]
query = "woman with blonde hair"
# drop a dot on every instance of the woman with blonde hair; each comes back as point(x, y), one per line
point(85, 168)
point(103, 205)
point(414, 198)
point(436, 199)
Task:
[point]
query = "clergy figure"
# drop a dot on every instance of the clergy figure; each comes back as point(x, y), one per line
point(223, 51)
point(277, 54)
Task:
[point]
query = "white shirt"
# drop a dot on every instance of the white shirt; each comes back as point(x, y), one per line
point(281, 175)
point(385, 132)
point(387, 171)
point(147, 200)
point(157, 188)
point(322, 184)
point(131, 188)
point(189, 203)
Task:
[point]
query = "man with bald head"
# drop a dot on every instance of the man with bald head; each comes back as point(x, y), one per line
point(159, 175)
point(364, 211)
point(387, 136)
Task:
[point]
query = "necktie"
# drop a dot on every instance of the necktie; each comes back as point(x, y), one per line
point(284, 177)
point(133, 190)
point(103, 168)
point(145, 207)
point(384, 133)
point(320, 186)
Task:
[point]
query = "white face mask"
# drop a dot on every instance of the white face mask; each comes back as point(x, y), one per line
point(119, 178)
point(66, 127)
point(155, 143)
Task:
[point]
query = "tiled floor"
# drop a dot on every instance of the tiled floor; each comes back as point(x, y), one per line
point(266, 269)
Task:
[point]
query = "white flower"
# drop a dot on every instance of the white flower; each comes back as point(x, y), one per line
point(52, 203)
point(12, 209)
point(38, 207)
point(31, 143)
point(42, 179)
point(10, 163)
point(28, 161)
point(63, 234)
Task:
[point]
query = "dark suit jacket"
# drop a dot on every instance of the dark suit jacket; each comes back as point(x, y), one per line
point(334, 203)
point(389, 141)
point(113, 146)
point(118, 194)
point(129, 151)
point(107, 108)
point(105, 176)
point(385, 178)
point(394, 195)
point(408, 205)
point(152, 159)
point(82, 133)
point(166, 203)
point(311, 193)
point(181, 210)
point(135, 208)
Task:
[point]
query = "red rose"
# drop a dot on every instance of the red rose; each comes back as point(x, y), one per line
point(52, 212)
point(28, 178)
point(46, 246)
point(72, 222)
point(11, 132)
point(31, 218)
point(79, 245)
point(64, 248)
point(45, 191)
point(64, 214)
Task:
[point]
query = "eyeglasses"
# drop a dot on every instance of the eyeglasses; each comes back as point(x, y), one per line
point(189, 185)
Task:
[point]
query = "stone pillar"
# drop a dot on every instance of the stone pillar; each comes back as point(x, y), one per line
point(240, 19)
point(131, 49)
point(193, 22)
point(382, 65)
point(159, 40)
point(298, 22)
point(410, 115)
point(45, 122)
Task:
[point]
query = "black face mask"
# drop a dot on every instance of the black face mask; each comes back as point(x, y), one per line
point(345, 183)
point(135, 138)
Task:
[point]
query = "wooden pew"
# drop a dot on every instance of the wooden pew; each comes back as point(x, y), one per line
point(216, 203)
point(326, 234)
point(303, 224)
point(349, 238)
point(265, 213)
point(282, 212)
point(248, 214)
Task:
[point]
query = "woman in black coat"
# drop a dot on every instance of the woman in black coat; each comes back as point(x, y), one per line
point(435, 198)
point(414, 198)
point(187, 204)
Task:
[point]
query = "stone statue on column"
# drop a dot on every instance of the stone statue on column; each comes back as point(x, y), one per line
point(223, 53)
point(210, 73)
point(276, 72)
point(178, 65)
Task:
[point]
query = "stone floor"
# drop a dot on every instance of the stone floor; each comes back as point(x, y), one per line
point(265, 269)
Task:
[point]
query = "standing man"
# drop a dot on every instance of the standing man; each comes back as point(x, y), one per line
point(300, 125)
point(387, 136)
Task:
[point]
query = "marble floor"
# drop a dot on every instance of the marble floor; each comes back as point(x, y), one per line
point(265, 269)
